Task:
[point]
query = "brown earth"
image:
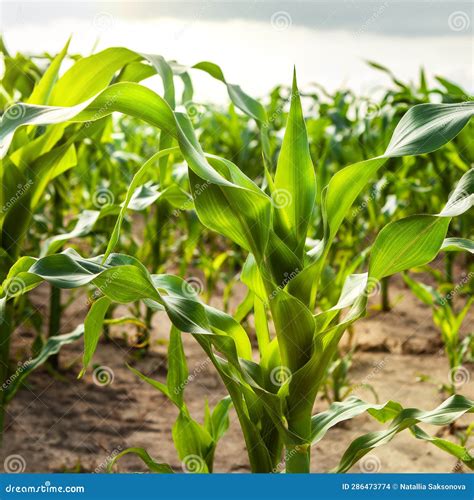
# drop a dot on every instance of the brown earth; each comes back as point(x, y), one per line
point(61, 423)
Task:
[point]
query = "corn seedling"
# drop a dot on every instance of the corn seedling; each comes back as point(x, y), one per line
point(448, 319)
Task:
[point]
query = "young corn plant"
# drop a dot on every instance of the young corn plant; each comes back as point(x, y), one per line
point(38, 157)
point(273, 391)
point(449, 319)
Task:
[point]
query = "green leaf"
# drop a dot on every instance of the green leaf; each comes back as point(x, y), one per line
point(457, 245)
point(152, 465)
point(125, 284)
point(347, 410)
point(92, 329)
point(52, 346)
point(295, 181)
point(163, 388)
point(218, 423)
point(193, 443)
point(90, 75)
point(462, 198)
point(427, 127)
point(416, 240)
point(243, 101)
point(407, 243)
point(449, 411)
point(425, 293)
point(44, 87)
point(177, 377)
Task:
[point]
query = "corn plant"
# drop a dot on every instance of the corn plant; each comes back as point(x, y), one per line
point(448, 318)
point(273, 392)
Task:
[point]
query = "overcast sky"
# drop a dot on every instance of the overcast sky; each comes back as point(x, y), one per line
point(257, 42)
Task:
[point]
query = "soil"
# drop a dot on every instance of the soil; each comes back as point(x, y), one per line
point(60, 423)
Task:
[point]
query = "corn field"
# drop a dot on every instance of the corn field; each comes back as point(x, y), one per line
point(280, 284)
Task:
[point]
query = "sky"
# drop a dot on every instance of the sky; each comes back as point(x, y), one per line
point(258, 42)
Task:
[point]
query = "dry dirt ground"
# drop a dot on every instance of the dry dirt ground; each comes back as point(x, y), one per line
point(65, 424)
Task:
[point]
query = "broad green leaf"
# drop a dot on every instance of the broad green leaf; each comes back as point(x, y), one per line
point(427, 127)
point(125, 284)
point(416, 240)
point(127, 98)
point(344, 188)
point(225, 199)
point(90, 75)
point(49, 166)
point(407, 243)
